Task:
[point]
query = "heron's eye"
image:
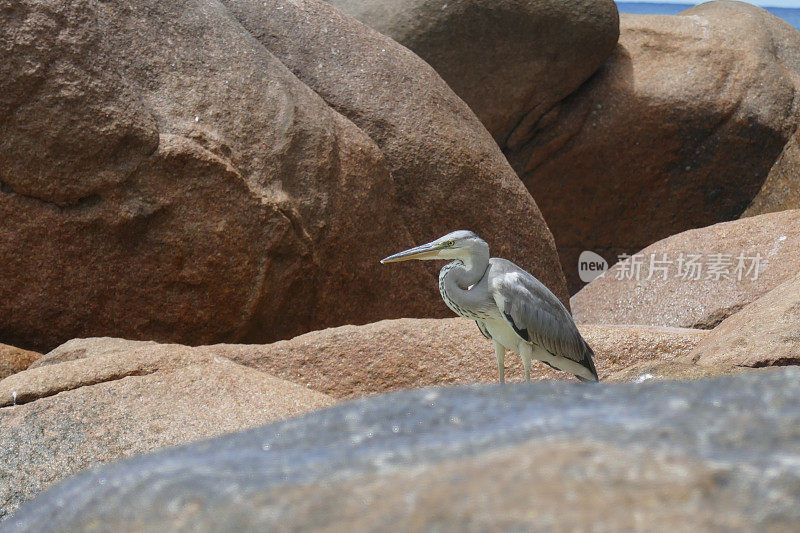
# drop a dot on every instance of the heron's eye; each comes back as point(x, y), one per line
point(450, 243)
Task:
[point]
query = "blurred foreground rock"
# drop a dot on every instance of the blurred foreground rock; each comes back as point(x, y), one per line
point(625, 295)
point(64, 417)
point(81, 391)
point(714, 454)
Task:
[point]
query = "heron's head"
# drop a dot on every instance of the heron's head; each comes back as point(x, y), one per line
point(460, 244)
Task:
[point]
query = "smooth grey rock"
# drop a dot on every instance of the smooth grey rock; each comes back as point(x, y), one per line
point(718, 453)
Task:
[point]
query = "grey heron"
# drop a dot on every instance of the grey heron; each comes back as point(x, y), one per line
point(512, 308)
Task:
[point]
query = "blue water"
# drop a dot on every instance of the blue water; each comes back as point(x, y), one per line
point(792, 16)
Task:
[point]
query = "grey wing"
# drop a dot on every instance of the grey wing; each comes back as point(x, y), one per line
point(536, 315)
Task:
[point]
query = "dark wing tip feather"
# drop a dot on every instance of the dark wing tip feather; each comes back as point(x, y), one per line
point(588, 363)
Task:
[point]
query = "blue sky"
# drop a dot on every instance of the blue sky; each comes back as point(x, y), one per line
point(762, 3)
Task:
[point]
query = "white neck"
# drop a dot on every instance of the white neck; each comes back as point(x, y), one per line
point(456, 278)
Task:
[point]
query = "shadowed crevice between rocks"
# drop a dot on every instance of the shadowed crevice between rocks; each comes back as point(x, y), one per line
point(780, 361)
point(21, 397)
point(90, 200)
point(678, 129)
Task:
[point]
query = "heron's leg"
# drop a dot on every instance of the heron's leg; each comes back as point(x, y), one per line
point(527, 353)
point(500, 352)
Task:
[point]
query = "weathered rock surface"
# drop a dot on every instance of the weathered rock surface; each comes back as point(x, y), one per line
point(781, 189)
point(65, 417)
point(764, 333)
point(510, 61)
point(619, 297)
point(166, 177)
point(191, 235)
point(629, 353)
point(677, 130)
point(682, 369)
point(347, 361)
point(442, 162)
point(714, 454)
point(13, 359)
point(392, 355)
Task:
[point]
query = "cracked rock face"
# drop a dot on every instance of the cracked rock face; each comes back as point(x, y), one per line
point(165, 176)
point(622, 296)
point(717, 454)
point(677, 130)
point(764, 333)
point(65, 417)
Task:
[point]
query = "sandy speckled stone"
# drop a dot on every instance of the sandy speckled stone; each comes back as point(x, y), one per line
point(65, 417)
point(701, 303)
point(13, 359)
point(677, 130)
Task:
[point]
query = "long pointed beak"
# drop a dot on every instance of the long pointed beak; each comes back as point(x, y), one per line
point(425, 251)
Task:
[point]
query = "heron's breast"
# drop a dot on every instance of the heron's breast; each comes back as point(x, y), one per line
point(502, 332)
